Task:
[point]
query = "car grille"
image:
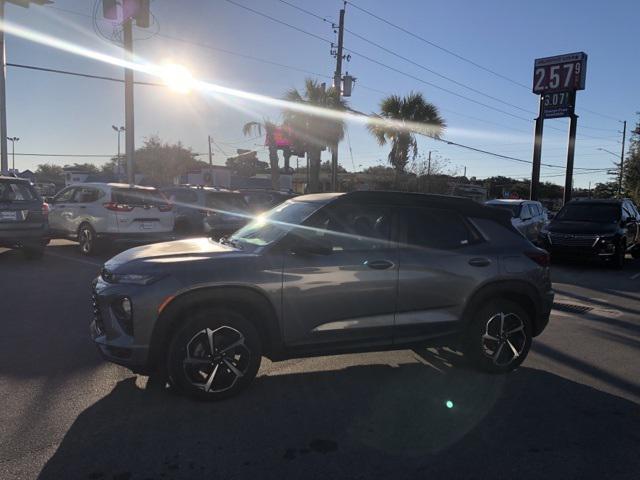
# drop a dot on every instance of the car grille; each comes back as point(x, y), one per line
point(571, 240)
point(97, 316)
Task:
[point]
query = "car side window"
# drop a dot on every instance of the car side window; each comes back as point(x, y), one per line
point(350, 227)
point(86, 195)
point(65, 196)
point(184, 196)
point(438, 228)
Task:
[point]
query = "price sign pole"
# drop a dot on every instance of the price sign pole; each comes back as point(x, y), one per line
point(556, 80)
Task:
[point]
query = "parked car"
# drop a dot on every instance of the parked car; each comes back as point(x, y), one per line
point(95, 214)
point(527, 216)
point(23, 217)
point(260, 201)
point(605, 229)
point(325, 274)
point(227, 212)
point(213, 211)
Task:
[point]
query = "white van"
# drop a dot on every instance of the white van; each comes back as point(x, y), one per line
point(98, 213)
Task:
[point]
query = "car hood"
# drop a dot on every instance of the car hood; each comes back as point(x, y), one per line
point(158, 254)
point(582, 228)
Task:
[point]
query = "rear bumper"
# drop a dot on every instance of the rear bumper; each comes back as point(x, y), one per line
point(24, 236)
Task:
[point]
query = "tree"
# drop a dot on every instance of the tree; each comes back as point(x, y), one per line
point(161, 162)
point(48, 172)
point(391, 126)
point(605, 190)
point(269, 127)
point(246, 163)
point(326, 167)
point(632, 165)
point(316, 132)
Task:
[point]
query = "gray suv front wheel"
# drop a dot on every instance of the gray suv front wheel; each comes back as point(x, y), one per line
point(214, 355)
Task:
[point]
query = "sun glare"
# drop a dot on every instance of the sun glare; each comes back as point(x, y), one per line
point(177, 77)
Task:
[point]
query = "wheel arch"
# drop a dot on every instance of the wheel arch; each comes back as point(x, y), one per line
point(517, 291)
point(247, 300)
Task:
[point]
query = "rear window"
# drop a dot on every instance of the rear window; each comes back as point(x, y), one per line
point(514, 208)
point(16, 192)
point(233, 202)
point(138, 196)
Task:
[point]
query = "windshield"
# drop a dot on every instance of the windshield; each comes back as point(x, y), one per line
point(274, 224)
point(590, 212)
point(514, 208)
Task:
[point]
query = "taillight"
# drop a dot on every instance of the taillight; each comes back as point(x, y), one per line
point(45, 209)
point(541, 257)
point(117, 207)
point(165, 208)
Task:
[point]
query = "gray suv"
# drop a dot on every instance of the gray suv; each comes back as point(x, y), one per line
point(325, 274)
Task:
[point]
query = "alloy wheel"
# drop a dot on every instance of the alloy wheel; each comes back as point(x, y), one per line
point(504, 339)
point(86, 240)
point(216, 359)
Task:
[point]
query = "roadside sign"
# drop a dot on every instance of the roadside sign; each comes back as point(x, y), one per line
point(560, 73)
point(557, 105)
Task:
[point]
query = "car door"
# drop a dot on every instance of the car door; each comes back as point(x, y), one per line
point(442, 259)
point(60, 211)
point(528, 221)
point(87, 210)
point(348, 293)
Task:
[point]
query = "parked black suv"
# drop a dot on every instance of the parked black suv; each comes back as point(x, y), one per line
point(607, 229)
point(23, 217)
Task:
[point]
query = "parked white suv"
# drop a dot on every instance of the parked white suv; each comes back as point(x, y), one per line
point(99, 213)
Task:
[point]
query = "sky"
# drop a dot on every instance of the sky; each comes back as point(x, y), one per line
point(222, 43)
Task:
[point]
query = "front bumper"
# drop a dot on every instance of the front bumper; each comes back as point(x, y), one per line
point(599, 248)
point(117, 342)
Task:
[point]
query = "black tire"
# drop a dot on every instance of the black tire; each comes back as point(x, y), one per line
point(206, 375)
point(617, 261)
point(33, 253)
point(88, 241)
point(488, 349)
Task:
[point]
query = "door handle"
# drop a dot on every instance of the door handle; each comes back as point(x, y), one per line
point(479, 262)
point(379, 264)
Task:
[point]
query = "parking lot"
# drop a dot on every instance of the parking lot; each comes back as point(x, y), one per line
point(571, 411)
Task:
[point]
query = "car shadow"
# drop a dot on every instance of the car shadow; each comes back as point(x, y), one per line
point(375, 421)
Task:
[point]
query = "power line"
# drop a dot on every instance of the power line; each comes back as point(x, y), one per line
point(458, 56)
point(77, 74)
point(451, 92)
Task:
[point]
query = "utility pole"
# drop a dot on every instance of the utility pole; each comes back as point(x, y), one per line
point(568, 181)
point(4, 163)
point(13, 152)
point(429, 173)
point(537, 152)
point(465, 172)
point(210, 159)
point(118, 130)
point(337, 85)
point(624, 135)
point(128, 98)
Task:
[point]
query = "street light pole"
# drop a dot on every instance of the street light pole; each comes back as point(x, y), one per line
point(128, 98)
point(13, 141)
point(4, 161)
point(624, 135)
point(118, 130)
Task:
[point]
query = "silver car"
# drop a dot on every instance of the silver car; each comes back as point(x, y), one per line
point(324, 274)
point(527, 216)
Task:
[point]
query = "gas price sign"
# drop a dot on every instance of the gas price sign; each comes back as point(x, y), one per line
point(560, 73)
point(558, 104)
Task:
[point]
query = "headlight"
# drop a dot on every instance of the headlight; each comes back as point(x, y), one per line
point(133, 279)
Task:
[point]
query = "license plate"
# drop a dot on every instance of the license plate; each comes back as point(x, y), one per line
point(147, 225)
point(7, 216)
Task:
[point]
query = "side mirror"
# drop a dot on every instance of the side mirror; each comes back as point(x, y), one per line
point(306, 246)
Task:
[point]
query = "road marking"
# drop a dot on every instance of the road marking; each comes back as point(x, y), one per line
point(637, 275)
point(73, 259)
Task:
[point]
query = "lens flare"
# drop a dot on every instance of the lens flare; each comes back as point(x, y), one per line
point(177, 77)
point(449, 404)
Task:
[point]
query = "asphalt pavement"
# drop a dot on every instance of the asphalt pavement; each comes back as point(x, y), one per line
point(571, 411)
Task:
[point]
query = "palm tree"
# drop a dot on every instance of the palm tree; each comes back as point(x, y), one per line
point(251, 128)
point(315, 132)
point(406, 116)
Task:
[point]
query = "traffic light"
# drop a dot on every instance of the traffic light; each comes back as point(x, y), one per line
point(142, 13)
